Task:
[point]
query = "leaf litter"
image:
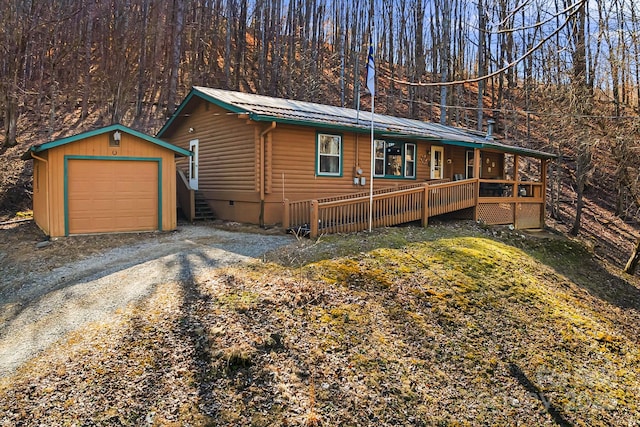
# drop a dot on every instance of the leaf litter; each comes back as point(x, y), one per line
point(437, 326)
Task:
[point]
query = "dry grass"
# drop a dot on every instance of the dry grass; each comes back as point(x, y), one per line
point(437, 326)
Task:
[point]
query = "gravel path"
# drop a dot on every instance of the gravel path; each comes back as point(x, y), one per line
point(39, 308)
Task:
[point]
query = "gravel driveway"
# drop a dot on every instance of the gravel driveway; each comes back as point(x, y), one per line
point(40, 307)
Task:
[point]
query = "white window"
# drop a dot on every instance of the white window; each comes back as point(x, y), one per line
point(469, 162)
point(329, 160)
point(410, 161)
point(379, 157)
point(394, 159)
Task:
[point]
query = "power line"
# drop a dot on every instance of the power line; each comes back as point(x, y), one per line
point(510, 111)
point(503, 69)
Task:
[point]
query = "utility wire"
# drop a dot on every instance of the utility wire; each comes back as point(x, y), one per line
point(507, 110)
point(501, 70)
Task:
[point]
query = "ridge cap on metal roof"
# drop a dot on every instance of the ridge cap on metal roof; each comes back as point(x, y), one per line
point(247, 105)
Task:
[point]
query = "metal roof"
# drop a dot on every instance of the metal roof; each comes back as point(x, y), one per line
point(112, 128)
point(266, 108)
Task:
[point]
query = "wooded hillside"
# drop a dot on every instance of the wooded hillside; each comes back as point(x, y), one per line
point(564, 78)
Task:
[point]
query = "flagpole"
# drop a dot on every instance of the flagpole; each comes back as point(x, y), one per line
point(373, 165)
point(371, 85)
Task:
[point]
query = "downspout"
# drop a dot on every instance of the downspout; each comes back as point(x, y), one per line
point(263, 169)
point(46, 162)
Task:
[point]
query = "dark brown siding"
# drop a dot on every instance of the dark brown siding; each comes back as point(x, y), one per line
point(492, 165)
point(457, 156)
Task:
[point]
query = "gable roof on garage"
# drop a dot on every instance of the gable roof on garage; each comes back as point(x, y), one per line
point(112, 128)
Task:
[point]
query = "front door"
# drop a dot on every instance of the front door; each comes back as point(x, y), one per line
point(437, 162)
point(193, 164)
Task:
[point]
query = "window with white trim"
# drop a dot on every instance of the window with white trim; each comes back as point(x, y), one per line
point(468, 160)
point(329, 158)
point(394, 159)
point(410, 161)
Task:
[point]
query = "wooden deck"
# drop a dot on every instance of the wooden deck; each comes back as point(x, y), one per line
point(494, 202)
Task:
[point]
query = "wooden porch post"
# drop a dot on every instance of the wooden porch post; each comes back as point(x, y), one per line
point(286, 215)
point(192, 205)
point(425, 206)
point(476, 175)
point(313, 221)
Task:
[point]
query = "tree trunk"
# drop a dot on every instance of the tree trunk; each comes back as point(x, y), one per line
point(88, 43)
point(582, 106)
point(176, 53)
point(10, 122)
point(632, 264)
point(579, 206)
point(583, 168)
point(445, 58)
point(481, 63)
point(227, 46)
point(142, 60)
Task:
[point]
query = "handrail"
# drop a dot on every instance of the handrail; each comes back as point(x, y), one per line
point(186, 195)
point(375, 192)
point(375, 196)
point(509, 190)
point(353, 214)
point(452, 183)
point(390, 208)
point(183, 177)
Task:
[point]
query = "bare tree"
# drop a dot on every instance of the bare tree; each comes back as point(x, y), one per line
point(176, 54)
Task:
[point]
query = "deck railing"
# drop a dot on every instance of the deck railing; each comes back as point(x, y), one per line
point(346, 216)
point(452, 196)
point(391, 206)
point(494, 201)
point(298, 213)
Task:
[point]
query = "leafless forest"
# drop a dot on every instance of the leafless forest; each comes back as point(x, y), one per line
point(555, 74)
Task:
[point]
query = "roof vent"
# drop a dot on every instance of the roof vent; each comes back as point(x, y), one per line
point(490, 124)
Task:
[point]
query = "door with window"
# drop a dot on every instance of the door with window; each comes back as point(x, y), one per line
point(193, 164)
point(437, 162)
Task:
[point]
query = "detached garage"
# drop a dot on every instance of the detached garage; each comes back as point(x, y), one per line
point(113, 179)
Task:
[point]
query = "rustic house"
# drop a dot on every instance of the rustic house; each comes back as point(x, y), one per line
point(113, 179)
point(266, 160)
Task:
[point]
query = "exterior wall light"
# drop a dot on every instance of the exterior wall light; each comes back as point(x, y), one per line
point(114, 139)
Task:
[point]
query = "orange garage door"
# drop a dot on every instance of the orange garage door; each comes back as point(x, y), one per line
point(112, 195)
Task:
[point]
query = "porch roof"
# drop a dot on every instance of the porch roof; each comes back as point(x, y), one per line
point(302, 113)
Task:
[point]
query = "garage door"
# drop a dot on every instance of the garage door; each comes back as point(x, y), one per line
point(112, 195)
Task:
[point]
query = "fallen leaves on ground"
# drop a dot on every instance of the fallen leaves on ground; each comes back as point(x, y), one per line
point(438, 327)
